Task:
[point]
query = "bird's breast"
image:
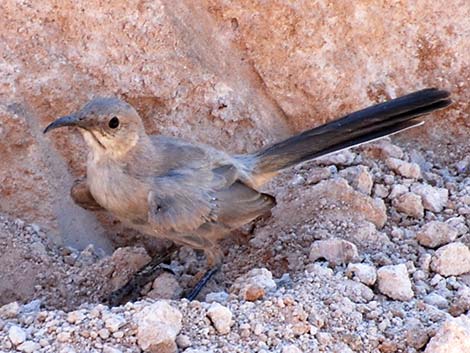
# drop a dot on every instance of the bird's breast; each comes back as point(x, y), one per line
point(119, 193)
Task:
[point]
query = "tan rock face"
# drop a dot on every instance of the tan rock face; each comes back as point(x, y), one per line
point(235, 74)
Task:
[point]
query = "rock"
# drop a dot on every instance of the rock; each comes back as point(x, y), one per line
point(434, 199)
point(16, 335)
point(461, 302)
point(416, 334)
point(158, 324)
point(436, 233)
point(183, 341)
point(405, 169)
point(394, 282)
point(254, 284)
point(110, 349)
point(436, 300)
point(359, 178)
point(126, 261)
point(451, 260)
point(397, 190)
point(381, 191)
point(75, 317)
point(291, 349)
point(336, 251)
point(113, 322)
point(409, 204)
point(219, 297)
point(382, 149)
point(316, 175)
point(452, 337)
point(10, 310)
point(345, 157)
point(165, 286)
point(221, 317)
point(29, 347)
point(366, 274)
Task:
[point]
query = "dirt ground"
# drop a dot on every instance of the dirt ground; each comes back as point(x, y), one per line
point(366, 251)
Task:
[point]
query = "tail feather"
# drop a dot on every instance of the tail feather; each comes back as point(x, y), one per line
point(359, 127)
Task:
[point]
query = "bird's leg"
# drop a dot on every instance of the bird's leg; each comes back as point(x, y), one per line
point(214, 262)
point(131, 290)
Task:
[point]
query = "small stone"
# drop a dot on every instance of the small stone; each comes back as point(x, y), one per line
point(103, 333)
point(434, 199)
point(366, 274)
point(221, 317)
point(452, 337)
point(158, 325)
point(75, 317)
point(451, 260)
point(110, 349)
point(345, 157)
point(410, 204)
point(10, 310)
point(380, 191)
point(113, 322)
point(165, 286)
point(397, 190)
point(436, 300)
point(183, 341)
point(29, 347)
point(254, 284)
point(416, 334)
point(316, 175)
point(291, 349)
point(359, 178)
point(336, 251)
point(63, 336)
point(436, 233)
point(219, 297)
point(405, 169)
point(394, 282)
point(382, 149)
point(461, 303)
point(16, 335)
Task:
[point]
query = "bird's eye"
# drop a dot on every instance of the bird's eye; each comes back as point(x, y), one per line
point(114, 122)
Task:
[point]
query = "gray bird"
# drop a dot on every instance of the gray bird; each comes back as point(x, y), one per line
point(194, 194)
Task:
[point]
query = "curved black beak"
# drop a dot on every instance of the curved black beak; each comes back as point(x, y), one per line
point(68, 120)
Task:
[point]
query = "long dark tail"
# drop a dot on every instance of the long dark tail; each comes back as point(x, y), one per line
point(352, 130)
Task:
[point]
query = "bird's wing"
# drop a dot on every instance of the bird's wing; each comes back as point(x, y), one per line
point(182, 201)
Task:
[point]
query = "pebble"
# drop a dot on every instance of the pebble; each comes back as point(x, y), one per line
point(291, 349)
point(219, 297)
point(409, 204)
point(165, 286)
point(451, 260)
point(405, 169)
point(364, 273)
point(254, 284)
point(16, 335)
point(10, 310)
point(113, 322)
point(394, 282)
point(157, 327)
point(221, 317)
point(436, 233)
point(359, 178)
point(336, 251)
point(29, 347)
point(451, 337)
point(434, 199)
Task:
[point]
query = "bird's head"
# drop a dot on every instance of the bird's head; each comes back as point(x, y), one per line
point(110, 126)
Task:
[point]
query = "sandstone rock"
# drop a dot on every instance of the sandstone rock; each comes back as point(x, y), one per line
point(359, 178)
point(451, 260)
point(16, 335)
point(452, 337)
point(345, 157)
point(434, 199)
point(436, 233)
point(165, 286)
point(335, 251)
point(382, 149)
point(10, 310)
point(254, 284)
point(29, 347)
point(405, 169)
point(394, 282)
point(221, 317)
point(409, 204)
point(157, 327)
point(366, 274)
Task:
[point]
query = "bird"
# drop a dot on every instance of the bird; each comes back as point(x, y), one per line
point(194, 194)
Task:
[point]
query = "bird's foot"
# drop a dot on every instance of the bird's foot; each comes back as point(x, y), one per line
point(201, 283)
point(131, 290)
